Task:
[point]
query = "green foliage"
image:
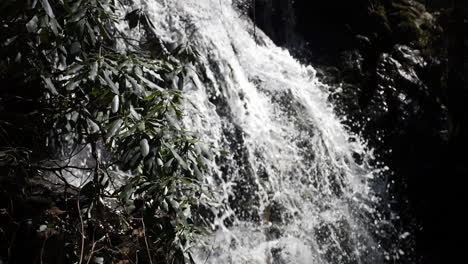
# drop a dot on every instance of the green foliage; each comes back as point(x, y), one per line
point(379, 12)
point(407, 22)
point(124, 106)
point(405, 18)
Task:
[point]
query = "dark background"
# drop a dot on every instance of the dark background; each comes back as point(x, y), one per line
point(423, 138)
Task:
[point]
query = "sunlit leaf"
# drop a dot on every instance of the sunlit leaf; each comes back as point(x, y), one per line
point(47, 8)
point(115, 126)
point(50, 86)
point(115, 104)
point(109, 81)
point(32, 24)
point(94, 71)
point(144, 147)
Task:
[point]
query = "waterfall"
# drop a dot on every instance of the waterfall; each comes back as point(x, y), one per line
point(293, 186)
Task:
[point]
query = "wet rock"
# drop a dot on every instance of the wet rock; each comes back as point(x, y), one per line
point(352, 64)
point(276, 213)
point(362, 42)
point(274, 232)
point(386, 63)
point(409, 56)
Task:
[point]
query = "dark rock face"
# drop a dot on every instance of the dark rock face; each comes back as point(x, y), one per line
point(402, 116)
point(399, 69)
point(277, 19)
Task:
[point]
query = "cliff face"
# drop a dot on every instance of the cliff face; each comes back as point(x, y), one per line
point(400, 69)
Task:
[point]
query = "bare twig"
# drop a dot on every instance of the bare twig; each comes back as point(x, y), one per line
point(42, 248)
point(146, 241)
point(82, 229)
point(145, 237)
point(62, 168)
point(92, 249)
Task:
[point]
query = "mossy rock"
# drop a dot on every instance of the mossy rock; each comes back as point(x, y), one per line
point(408, 32)
point(408, 9)
point(410, 22)
point(379, 18)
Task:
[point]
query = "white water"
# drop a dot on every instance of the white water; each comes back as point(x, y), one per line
point(289, 191)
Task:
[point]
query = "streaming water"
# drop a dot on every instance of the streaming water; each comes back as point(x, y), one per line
point(295, 186)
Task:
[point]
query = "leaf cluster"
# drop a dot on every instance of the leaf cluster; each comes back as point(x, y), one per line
point(120, 107)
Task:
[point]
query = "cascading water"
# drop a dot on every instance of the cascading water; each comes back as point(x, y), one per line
point(296, 186)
